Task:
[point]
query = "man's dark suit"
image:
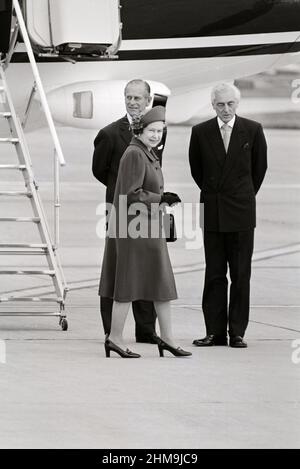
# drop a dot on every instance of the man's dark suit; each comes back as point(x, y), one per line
point(110, 144)
point(228, 183)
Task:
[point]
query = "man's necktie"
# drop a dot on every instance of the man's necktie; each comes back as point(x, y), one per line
point(226, 132)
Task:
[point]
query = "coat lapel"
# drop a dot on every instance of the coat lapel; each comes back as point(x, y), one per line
point(215, 138)
point(237, 140)
point(125, 131)
point(150, 154)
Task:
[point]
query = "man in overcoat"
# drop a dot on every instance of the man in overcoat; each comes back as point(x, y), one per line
point(228, 159)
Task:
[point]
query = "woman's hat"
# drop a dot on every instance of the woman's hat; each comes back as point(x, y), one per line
point(157, 113)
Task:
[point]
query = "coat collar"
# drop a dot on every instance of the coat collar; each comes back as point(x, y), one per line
point(150, 154)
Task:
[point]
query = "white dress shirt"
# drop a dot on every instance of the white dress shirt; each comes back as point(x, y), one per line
point(229, 124)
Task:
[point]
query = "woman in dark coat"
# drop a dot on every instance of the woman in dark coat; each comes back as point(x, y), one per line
point(136, 263)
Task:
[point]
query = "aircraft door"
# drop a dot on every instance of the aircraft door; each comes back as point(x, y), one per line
point(159, 100)
point(73, 27)
point(5, 22)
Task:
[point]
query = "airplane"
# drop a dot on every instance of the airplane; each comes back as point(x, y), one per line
point(181, 47)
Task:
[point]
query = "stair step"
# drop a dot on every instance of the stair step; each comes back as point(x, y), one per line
point(5, 114)
point(27, 313)
point(21, 219)
point(9, 140)
point(16, 193)
point(27, 272)
point(22, 251)
point(37, 299)
point(44, 248)
point(20, 167)
point(23, 245)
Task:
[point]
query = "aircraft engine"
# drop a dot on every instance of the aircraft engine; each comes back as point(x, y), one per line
point(94, 104)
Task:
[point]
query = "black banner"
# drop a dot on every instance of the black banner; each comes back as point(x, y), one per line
point(133, 458)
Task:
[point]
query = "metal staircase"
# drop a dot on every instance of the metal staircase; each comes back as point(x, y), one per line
point(45, 248)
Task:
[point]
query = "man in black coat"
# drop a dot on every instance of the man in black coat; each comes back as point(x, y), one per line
point(110, 144)
point(228, 159)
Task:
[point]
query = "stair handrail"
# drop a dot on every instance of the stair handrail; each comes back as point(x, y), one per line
point(38, 82)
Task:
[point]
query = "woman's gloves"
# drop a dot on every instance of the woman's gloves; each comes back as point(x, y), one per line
point(169, 198)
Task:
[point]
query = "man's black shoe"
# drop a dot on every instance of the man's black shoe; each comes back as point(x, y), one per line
point(147, 339)
point(210, 340)
point(237, 342)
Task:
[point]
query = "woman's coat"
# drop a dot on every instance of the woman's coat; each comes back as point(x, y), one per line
point(136, 265)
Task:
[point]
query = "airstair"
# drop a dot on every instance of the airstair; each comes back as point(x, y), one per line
point(53, 29)
point(15, 197)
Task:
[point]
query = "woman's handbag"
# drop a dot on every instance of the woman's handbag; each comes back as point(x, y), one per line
point(169, 227)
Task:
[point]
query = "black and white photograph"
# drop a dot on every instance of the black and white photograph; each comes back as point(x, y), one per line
point(149, 227)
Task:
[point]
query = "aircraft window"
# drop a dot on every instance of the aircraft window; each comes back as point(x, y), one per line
point(83, 105)
point(154, 19)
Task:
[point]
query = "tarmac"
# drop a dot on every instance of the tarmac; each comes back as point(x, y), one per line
point(57, 389)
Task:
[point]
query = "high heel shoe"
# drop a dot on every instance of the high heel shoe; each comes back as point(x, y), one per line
point(111, 347)
point(177, 352)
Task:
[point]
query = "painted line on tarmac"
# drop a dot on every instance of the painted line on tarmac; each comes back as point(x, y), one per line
point(198, 267)
point(257, 257)
point(275, 326)
point(198, 305)
point(187, 185)
point(77, 304)
point(276, 252)
point(88, 185)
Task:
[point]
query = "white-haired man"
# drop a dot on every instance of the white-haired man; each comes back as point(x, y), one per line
point(228, 159)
